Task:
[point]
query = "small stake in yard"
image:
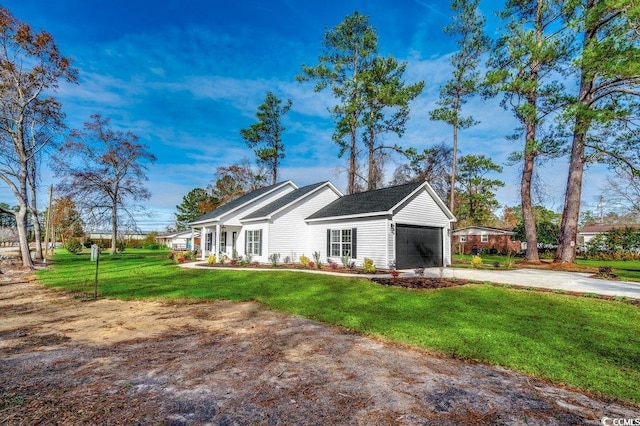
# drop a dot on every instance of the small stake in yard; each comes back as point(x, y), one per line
point(95, 256)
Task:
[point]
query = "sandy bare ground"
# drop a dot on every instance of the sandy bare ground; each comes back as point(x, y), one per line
point(65, 360)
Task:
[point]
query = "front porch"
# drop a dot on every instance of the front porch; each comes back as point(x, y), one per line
point(219, 240)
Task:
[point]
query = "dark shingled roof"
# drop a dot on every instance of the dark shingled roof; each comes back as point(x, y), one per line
point(283, 201)
point(378, 200)
point(225, 208)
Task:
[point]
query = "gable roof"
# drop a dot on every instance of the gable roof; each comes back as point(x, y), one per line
point(469, 230)
point(597, 229)
point(375, 202)
point(286, 200)
point(239, 202)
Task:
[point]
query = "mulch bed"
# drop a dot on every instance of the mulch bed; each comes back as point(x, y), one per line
point(421, 282)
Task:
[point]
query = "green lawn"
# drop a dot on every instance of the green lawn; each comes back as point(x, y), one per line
point(587, 343)
point(624, 270)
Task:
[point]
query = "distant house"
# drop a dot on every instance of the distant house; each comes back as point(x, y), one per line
point(471, 239)
point(407, 225)
point(185, 240)
point(122, 235)
point(589, 232)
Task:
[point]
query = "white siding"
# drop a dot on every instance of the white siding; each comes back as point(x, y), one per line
point(371, 238)
point(289, 233)
point(422, 210)
point(240, 243)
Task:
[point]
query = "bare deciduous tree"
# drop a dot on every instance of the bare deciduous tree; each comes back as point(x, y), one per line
point(104, 172)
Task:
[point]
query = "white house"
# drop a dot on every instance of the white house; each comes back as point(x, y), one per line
point(408, 225)
point(180, 240)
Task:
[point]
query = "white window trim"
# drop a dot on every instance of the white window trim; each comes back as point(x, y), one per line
point(484, 238)
point(344, 247)
point(463, 238)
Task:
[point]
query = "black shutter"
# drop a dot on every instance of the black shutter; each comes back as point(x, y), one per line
point(328, 242)
point(246, 242)
point(354, 245)
point(260, 244)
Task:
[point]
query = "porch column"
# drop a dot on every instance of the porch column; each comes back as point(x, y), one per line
point(193, 239)
point(216, 240)
point(203, 242)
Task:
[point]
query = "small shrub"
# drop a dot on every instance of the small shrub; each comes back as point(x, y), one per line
point(316, 258)
point(234, 255)
point(255, 263)
point(274, 259)
point(496, 265)
point(351, 265)
point(223, 259)
point(395, 273)
point(476, 262)
point(311, 264)
point(368, 266)
point(304, 260)
point(287, 260)
point(152, 247)
point(419, 271)
point(345, 261)
point(333, 265)
point(211, 259)
point(73, 245)
point(87, 242)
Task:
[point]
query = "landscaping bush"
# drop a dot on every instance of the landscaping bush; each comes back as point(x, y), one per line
point(274, 259)
point(211, 259)
point(316, 258)
point(73, 245)
point(368, 266)
point(476, 262)
point(152, 247)
point(304, 260)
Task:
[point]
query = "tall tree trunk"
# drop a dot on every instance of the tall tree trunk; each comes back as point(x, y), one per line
point(372, 175)
point(114, 229)
point(23, 240)
point(454, 159)
point(566, 252)
point(351, 189)
point(37, 230)
point(527, 211)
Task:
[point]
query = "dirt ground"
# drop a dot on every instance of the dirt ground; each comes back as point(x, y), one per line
point(65, 360)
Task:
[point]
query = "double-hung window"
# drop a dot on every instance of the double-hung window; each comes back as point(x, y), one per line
point(484, 238)
point(341, 243)
point(253, 242)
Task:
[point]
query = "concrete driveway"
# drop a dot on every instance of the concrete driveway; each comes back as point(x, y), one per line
point(556, 280)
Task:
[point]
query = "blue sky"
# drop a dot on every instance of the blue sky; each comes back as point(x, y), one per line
point(187, 76)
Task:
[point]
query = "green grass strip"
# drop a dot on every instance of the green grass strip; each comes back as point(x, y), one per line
point(591, 344)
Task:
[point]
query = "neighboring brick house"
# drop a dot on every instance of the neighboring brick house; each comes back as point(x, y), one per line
point(471, 238)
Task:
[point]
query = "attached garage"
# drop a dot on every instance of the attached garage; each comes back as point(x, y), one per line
point(418, 246)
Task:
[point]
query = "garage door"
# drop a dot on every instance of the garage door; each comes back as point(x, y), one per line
point(418, 246)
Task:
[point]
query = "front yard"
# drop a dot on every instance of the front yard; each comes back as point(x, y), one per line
point(590, 344)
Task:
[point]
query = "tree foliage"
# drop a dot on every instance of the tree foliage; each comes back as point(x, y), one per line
point(194, 204)
point(386, 98)
point(265, 136)
point(31, 67)
point(476, 190)
point(524, 65)
point(349, 50)
point(66, 220)
point(235, 180)
point(104, 171)
point(431, 165)
point(603, 114)
point(468, 27)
